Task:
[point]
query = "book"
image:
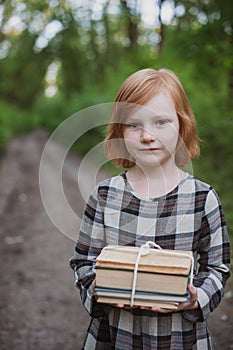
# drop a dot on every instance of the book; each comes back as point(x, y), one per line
point(146, 281)
point(160, 261)
point(162, 276)
point(138, 303)
point(149, 296)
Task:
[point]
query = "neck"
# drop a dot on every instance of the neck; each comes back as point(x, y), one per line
point(154, 181)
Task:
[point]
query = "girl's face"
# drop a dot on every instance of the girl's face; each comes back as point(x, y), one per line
point(151, 133)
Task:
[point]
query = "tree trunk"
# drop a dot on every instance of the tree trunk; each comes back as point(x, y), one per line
point(162, 27)
point(132, 24)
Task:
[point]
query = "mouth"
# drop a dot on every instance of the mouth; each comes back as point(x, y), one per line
point(150, 149)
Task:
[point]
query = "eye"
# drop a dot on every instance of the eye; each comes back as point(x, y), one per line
point(134, 126)
point(161, 122)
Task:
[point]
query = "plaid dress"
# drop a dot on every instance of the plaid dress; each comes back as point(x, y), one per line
point(189, 217)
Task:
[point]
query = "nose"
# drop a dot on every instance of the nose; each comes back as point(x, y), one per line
point(147, 136)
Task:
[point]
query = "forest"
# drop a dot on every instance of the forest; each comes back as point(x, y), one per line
point(60, 56)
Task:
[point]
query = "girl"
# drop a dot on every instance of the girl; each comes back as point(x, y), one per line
point(152, 132)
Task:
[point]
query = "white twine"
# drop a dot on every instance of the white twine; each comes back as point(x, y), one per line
point(144, 250)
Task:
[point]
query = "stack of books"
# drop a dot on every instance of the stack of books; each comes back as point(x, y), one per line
point(162, 276)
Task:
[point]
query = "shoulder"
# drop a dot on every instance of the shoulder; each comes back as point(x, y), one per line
point(199, 186)
point(204, 192)
point(106, 189)
point(111, 184)
point(114, 181)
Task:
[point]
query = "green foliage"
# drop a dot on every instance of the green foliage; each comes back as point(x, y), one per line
point(203, 68)
point(96, 53)
point(14, 121)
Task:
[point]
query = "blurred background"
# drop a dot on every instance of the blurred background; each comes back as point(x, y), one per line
point(59, 56)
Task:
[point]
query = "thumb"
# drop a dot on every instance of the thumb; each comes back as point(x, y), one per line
point(193, 293)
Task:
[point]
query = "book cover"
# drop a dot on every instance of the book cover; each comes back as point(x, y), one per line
point(126, 294)
point(138, 303)
point(155, 282)
point(160, 261)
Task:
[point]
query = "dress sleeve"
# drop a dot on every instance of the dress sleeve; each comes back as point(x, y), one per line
point(89, 244)
point(214, 259)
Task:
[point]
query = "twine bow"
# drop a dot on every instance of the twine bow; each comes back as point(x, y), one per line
point(145, 250)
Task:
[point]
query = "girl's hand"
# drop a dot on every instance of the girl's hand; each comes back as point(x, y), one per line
point(93, 286)
point(122, 306)
point(191, 304)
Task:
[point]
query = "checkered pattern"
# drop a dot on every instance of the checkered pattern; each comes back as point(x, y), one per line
point(189, 218)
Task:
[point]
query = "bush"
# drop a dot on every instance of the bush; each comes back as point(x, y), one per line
point(14, 121)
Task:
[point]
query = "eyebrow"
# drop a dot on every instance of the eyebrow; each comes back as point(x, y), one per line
point(139, 117)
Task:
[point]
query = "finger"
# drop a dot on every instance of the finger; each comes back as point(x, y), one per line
point(120, 305)
point(155, 309)
point(193, 293)
point(93, 286)
point(145, 308)
point(192, 289)
point(192, 302)
point(162, 310)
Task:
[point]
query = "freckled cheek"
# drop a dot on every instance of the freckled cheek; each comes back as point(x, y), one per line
point(131, 137)
point(131, 143)
point(169, 139)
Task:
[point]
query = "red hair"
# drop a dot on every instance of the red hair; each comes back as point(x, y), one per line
point(138, 89)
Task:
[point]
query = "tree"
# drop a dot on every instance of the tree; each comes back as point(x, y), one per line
point(209, 39)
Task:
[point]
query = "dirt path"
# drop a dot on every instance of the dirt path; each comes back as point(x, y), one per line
point(39, 305)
